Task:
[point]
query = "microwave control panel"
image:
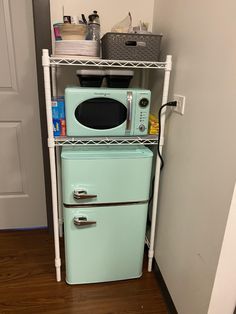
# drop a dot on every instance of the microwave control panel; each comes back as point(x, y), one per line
point(142, 112)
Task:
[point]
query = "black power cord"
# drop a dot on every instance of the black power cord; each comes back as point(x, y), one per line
point(169, 104)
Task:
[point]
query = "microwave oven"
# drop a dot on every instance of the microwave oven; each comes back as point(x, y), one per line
point(107, 111)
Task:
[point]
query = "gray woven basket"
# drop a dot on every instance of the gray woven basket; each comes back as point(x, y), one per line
point(127, 46)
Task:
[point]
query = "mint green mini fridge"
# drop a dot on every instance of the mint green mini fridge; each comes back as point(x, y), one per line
point(105, 196)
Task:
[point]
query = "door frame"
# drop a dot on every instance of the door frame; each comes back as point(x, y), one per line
point(42, 31)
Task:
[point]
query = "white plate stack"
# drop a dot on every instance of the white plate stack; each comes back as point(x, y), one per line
point(89, 48)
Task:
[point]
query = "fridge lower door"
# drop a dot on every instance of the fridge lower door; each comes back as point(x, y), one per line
point(104, 243)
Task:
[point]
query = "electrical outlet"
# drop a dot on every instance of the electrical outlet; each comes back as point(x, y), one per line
point(180, 104)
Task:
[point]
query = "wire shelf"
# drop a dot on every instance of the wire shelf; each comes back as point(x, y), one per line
point(83, 141)
point(73, 60)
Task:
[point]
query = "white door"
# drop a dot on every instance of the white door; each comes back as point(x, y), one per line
point(22, 195)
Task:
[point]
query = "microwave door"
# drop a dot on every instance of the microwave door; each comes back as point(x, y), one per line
point(101, 116)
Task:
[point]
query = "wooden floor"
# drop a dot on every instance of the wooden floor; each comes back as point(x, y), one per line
point(27, 283)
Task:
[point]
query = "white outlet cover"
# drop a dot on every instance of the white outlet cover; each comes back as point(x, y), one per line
point(180, 104)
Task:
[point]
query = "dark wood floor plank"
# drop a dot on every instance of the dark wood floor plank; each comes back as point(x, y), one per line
point(28, 284)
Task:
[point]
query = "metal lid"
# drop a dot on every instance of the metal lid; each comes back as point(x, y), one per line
point(94, 18)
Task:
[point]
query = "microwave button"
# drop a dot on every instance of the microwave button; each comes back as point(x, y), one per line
point(142, 127)
point(143, 103)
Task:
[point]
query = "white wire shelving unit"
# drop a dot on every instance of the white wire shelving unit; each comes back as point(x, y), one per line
point(86, 141)
point(50, 63)
point(68, 60)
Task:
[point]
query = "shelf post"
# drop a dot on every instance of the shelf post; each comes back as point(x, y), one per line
point(58, 157)
point(54, 80)
point(59, 191)
point(51, 146)
point(158, 163)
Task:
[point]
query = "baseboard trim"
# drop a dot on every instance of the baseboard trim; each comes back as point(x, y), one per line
point(164, 289)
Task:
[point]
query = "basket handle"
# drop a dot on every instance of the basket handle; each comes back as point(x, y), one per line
point(131, 43)
point(134, 43)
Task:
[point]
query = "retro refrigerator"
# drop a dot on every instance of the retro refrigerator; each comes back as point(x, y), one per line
point(105, 196)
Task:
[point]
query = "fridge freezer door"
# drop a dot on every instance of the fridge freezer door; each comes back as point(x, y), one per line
point(104, 243)
point(106, 175)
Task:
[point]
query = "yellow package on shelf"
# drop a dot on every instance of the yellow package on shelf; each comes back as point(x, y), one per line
point(153, 125)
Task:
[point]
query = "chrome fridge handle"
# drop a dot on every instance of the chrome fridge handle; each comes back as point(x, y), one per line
point(82, 195)
point(82, 221)
point(129, 110)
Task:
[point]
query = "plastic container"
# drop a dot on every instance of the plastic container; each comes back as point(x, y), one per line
point(90, 78)
point(128, 46)
point(118, 78)
point(69, 31)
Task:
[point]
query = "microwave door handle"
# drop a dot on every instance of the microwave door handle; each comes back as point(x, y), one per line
point(129, 110)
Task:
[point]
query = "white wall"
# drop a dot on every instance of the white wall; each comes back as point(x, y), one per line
point(200, 151)
point(110, 12)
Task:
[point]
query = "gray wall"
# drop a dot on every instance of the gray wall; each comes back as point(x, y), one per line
point(200, 151)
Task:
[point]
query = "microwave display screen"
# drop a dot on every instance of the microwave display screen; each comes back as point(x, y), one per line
point(101, 113)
